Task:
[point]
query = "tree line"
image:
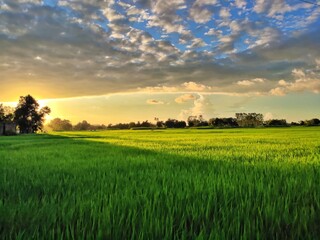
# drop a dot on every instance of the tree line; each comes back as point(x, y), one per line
point(240, 120)
point(29, 118)
point(59, 124)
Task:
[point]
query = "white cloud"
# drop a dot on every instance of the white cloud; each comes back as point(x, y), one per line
point(112, 15)
point(260, 6)
point(205, 2)
point(278, 91)
point(200, 14)
point(185, 98)
point(298, 73)
point(277, 8)
point(38, 58)
point(169, 25)
point(265, 36)
point(317, 61)
point(213, 32)
point(116, 35)
point(250, 82)
point(235, 27)
point(225, 13)
point(201, 106)
point(303, 82)
point(245, 83)
point(4, 7)
point(195, 86)
point(158, 89)
point(240, 3)
point(268, 116)
point(282, 83)
point(307, 84)
point(197, 42)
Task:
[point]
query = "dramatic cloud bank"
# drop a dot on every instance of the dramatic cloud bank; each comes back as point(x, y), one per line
point(61, 48)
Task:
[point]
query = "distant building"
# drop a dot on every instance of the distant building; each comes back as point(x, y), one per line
point(8, 128)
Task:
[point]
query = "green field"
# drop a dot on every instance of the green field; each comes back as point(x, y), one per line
point(162, 184)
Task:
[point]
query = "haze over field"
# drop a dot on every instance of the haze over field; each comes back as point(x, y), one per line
point(111, 61)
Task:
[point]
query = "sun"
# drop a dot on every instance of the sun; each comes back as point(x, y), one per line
point(42, 103)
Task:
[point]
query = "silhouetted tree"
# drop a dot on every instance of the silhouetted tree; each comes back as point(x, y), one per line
point(276, 123)
point(58, 124)
point(249, 119)
point(192, 121)
point(173, 123)
point(197, 121)
point(180, 124)
point(169, 123)
point(99, 127)
point(28, 116)
point(312, 122)
point(1, 112)
point(302, 123)
point(80, 126)
point(146, 124)
point(160, 124)
point(223, 122)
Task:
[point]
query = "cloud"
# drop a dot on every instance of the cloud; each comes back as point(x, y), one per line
point(303, 82)
point(225, 13)
point(268, 116)
point(282, 83)
point(298, 73)
point(112, 15)
point(278, 91)
point(250, 82)
point(154, 102)
point(205, 2)
point(317, 61)
point(199, 13)
point(201, 106)
point(213, 32)
point(86, 47)
point(195, 86)
point(185, 98)
point(161, 89)
point(38, 58)
point(197, 42)
point(278, 8)
point(240, 3)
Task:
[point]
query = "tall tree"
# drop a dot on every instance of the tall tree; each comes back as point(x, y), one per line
point(28, 116)
point(249, 119)
point(2, 114)
point(84, 125)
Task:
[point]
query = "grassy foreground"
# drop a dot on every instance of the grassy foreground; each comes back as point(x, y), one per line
point(170, 184)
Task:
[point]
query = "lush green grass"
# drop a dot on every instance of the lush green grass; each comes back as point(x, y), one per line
point(162, 184)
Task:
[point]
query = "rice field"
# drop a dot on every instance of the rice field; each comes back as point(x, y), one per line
point(162, 184)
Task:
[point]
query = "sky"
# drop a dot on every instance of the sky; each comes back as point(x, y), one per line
point(109, 61)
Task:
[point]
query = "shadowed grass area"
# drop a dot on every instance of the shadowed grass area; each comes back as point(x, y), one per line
point(179, 184)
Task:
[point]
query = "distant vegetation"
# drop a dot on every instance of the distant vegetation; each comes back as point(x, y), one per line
point(241, 120)
point(29, 118)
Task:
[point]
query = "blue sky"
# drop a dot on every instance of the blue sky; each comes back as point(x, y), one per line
point(210, 57)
